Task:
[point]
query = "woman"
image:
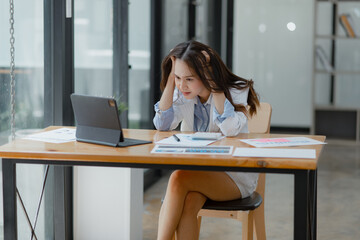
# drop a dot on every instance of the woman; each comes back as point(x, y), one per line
point(201, 93)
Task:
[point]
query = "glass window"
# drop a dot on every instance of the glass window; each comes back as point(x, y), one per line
point(139, 60)
point(29, 66)
point(29, 95)
point(93, 48)
point(175, 24)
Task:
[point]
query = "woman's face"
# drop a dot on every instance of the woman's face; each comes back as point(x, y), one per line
point(188, 83)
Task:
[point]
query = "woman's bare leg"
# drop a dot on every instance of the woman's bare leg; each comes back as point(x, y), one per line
point(188, 227)
point(177, 213)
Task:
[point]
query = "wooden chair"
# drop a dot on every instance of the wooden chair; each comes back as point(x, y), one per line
point(250, 210)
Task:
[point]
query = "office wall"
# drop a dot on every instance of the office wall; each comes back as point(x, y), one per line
point(277, 59)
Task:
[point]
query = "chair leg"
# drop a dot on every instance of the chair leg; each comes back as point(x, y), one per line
point(259, 223)
point(247, 227)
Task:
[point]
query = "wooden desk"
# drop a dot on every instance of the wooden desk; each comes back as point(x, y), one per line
point(84, 154)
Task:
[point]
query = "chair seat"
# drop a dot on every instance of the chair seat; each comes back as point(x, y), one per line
point(244, 204)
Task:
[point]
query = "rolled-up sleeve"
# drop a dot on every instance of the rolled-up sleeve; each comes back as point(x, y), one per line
point(231, 123)
point(229, 111)
point(163, 119)
point(232, 126)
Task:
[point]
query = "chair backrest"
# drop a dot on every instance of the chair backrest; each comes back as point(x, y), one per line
point(260, 123)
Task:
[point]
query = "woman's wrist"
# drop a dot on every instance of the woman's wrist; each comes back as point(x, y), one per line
point(167, 96)
point(171, 81)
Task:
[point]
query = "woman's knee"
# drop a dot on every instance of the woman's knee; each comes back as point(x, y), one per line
point(177, 180)
point(193, 203)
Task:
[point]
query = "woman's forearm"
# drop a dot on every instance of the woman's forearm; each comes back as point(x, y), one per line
point(166, 99)
point(219, 100)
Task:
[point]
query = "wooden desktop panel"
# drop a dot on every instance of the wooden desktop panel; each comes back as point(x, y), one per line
point(86, 152)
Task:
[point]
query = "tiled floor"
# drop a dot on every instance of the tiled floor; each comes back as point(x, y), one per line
point(338, 202)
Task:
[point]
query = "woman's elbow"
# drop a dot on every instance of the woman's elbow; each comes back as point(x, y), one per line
point(231, 128)
point(229, 132)
point(161, 127)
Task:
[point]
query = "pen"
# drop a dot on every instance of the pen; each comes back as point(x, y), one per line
point(176, 138)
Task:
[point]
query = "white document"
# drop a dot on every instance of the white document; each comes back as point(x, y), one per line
point(206, 136)
point(185, 140)
point(212, 150)
point(61, 135)
point(281, 142)
point(275, 153)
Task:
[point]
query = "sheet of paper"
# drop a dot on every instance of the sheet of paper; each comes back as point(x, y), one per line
point(206, 136)
point(185, 140)
point(61, 135)
point(275, 152)
point(281, 142)
point(213, 150)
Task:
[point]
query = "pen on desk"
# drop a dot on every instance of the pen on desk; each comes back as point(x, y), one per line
point(176, 138)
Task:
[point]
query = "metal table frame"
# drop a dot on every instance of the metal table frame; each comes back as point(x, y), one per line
point(305, 194)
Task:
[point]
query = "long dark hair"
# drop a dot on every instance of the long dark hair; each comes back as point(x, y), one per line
point(211, 70)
